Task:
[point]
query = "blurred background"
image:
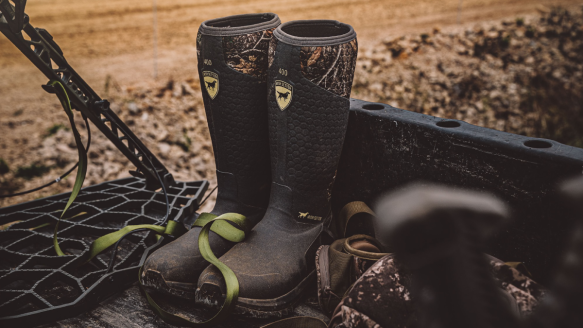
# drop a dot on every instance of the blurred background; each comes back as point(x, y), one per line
point(511, 65)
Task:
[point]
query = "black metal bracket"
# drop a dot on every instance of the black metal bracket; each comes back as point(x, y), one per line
point(39, 47)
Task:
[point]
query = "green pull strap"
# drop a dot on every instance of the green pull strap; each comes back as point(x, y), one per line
point(82, 169)
point(221, 228)
point(230, 279)
point(102, 243)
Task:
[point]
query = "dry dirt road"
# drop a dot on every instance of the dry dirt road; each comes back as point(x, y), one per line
point(113, 38)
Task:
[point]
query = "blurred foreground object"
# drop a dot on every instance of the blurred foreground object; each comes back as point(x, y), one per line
point(564, 306)
point(438, 233)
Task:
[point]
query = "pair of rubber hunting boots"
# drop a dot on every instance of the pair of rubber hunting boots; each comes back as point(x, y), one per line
point(277, 101)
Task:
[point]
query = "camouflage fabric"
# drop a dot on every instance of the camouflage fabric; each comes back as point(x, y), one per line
point(271, 51)
point(523, 289)
point(331, 67)
point(198, 45)
point(381, 298)
point(247, 53)
point(336, 271)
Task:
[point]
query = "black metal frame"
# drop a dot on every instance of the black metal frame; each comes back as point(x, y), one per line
point(40, 48)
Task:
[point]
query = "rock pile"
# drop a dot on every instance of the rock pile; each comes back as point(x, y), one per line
point(522, 76)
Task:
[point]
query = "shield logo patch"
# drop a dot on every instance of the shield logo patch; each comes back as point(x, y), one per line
point(283, 94)
point(211, 83)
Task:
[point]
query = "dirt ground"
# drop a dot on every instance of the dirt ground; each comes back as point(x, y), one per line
point(109, 42)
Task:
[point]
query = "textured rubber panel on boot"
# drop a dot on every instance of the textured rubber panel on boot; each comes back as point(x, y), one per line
point(237, 115)
point(236, 108)
point(307, 124)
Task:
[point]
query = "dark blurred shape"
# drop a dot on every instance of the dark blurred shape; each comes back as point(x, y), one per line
point(564, 305)
point(439, 233)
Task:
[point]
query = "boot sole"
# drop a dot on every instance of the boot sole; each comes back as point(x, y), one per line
point(261, 308)
point(154, 282)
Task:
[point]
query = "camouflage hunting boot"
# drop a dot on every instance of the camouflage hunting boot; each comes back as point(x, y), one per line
point(311, 68)
point(232, 64)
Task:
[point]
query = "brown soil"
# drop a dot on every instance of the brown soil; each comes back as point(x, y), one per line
point(521, 76)
point(109, 43)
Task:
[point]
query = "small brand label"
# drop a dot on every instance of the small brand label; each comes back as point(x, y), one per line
point(211, 83)
point(283, 94)
point(309, 217)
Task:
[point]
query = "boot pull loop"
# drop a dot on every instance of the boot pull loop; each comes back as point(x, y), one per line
point(349, 211)
point(366, 255)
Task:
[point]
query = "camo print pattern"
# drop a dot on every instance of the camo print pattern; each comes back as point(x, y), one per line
point(331, 67)
point(351, 318)
point(198, 45)
point(328, 297)
point(381, 295)
point(247, 53)
point(271, 51)
point(523, 289)
point(381, 298)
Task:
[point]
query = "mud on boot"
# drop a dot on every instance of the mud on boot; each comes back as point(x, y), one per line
point(232, 64)
point(309, 83)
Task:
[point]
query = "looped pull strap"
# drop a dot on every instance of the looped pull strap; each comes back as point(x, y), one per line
point(341, 264)
point(231, 281)
point(102, 243)
point(220, 227)
point(373, 256)
point(82, 169)
point(223, 228)
point(348, 212)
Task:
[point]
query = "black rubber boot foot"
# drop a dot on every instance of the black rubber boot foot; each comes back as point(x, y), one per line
point(154, 282)
point(211, 294)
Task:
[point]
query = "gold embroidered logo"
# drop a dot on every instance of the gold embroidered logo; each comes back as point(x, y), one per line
point(211, 83)
point(309, 217)
point(283, 94)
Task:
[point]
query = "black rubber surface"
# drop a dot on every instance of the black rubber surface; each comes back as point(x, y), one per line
point(37, 286)
point(387, 147)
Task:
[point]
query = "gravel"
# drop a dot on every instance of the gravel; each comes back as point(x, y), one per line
point(522, 76)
